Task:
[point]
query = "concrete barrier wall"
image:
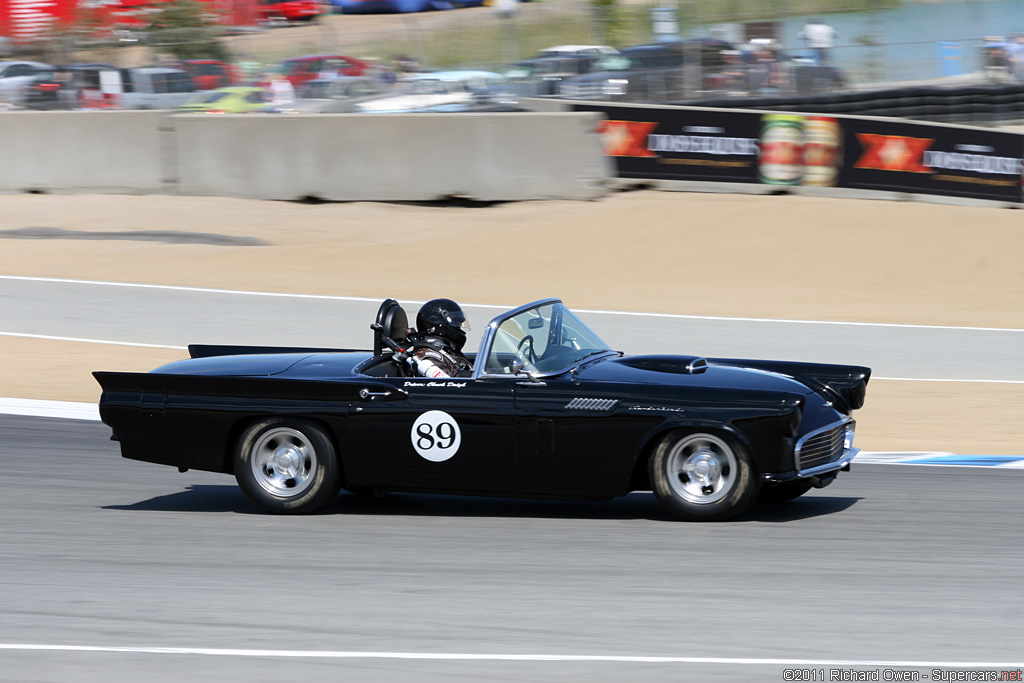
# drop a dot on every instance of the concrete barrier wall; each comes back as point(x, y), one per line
point(98, 152)
point(347, 157)
point(393, 157)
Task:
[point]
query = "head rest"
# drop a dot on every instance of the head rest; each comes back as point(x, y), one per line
point(393, 321)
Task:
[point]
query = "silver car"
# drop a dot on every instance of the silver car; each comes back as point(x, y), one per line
point(14, 76)
point(332, 96)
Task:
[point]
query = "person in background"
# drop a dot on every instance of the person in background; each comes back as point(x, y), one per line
point(734, 72)
point(281, 90)
point(1015, 53)
point(820, 38)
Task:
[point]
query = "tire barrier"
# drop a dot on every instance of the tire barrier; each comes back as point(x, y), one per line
point(977, 104)
point(335, 157)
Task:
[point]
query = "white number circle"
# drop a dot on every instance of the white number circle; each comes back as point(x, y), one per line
point(436, 435)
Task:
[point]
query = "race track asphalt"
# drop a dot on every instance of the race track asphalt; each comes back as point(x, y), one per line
point(890, 566)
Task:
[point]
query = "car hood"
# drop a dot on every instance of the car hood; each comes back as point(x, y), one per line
point(690, 371)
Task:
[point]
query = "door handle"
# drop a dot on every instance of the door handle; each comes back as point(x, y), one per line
point(366, 394)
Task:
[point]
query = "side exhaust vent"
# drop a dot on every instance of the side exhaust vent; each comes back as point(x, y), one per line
point(595, 404)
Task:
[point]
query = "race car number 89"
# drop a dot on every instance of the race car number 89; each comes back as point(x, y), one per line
point(436, 436)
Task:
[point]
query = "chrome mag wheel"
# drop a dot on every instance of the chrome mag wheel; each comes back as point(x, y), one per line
point(701, 469)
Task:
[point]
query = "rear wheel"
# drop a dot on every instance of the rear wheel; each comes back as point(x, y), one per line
point(287, 465)
point(702, 477)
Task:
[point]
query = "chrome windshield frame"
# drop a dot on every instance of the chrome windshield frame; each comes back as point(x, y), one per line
point(490, 332)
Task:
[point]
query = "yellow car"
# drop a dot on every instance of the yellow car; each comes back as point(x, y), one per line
point(233, 100)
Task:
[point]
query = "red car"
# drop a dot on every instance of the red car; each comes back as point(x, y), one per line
point(298, 70)
point(210, 74)
point(290, 10)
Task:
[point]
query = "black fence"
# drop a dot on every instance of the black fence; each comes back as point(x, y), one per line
point(784, 149)
point(976, 104)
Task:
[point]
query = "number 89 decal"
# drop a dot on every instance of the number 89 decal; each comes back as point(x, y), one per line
point(436, 435)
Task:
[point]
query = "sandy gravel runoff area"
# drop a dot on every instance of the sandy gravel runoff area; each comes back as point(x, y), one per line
point(684, 253)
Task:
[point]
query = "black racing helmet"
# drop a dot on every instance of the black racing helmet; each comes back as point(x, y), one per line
point(443, 318)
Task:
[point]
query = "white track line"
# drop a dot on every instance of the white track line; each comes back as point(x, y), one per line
point(207, 290)
point(64, 409)
point(49, 337)
point(455, 656)
point(921, 379)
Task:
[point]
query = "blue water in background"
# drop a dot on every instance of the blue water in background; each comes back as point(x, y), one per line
point(908, 38)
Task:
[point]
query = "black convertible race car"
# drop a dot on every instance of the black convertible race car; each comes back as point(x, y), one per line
point(549, 412)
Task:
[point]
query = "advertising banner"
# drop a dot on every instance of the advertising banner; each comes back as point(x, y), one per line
point(680, 144)
point(942, 160)
point(810, 150)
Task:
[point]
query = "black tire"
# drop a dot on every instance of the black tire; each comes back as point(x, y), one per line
point(702, 477)
point(287, 466)
point(780, 493)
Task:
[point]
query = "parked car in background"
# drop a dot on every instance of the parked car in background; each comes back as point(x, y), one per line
point(156, 88)
point(656, 72)
point(332, 95)
point(399, 6)
point(210, 74)
point(289, 11)
point(594, 51)
point(74, 86)
point(763, 67)
point(298, 70)
point(433, 91)
point(239, 99)
point(15, 76)
point(543, 75)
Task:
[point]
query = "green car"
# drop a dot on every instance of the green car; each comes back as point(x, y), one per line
point(233, 100)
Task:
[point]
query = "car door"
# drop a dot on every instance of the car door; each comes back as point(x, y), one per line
point(581, 436)
point(456, 433)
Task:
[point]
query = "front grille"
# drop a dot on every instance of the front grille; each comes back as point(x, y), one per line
point(822, 446)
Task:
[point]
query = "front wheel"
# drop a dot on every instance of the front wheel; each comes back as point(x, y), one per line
point(702, 477)
point(287, 466)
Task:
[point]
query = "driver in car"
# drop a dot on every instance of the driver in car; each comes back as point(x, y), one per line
point(441, 333)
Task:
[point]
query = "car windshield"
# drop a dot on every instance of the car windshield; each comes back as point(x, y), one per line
point(547, 338)
point(423, 86)
point(207, 98)
point(613, 63)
